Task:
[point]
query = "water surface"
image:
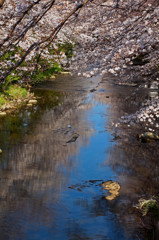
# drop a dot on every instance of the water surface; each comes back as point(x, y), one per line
point(51, 189)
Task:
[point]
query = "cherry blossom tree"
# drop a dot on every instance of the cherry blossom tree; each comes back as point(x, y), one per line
point(110, 35)
point(28, 29)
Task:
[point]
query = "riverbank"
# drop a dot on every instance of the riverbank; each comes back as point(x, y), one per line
point(15, 97)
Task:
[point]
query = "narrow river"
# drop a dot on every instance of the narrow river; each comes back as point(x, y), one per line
point(51, 186)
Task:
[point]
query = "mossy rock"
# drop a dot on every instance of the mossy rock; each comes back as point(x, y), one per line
point(148, 137)
point(148, 206)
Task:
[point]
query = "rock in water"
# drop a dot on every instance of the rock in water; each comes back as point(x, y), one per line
point(73, 138)
point(93, 90)
point(113, 188)
point(52, 77)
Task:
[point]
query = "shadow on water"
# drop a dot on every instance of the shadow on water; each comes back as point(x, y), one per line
point(51, 189)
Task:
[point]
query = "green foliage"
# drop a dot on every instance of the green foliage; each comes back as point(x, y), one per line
point(55, 68)
point(47, 70)
point(51, 50)
point(67, 48)
point(15, 92)
point(11, 53)
point(7, 55)
point(44, 63)
point(11, 79)
point(2, 100)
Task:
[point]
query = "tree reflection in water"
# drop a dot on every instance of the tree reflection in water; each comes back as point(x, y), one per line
point(37, 167)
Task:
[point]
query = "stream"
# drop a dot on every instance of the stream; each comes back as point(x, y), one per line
point(51, 186)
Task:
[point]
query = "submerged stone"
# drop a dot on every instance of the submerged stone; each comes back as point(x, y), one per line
point(113, 188)
point(86, 185)
point(73, 138)
point(93, 90)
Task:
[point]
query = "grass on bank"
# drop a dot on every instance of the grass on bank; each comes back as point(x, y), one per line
point(12, 92)
point(15, 92)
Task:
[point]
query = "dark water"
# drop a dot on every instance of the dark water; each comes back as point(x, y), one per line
point(51, 189)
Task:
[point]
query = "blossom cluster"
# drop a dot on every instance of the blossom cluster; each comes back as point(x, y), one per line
point(110, 36)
